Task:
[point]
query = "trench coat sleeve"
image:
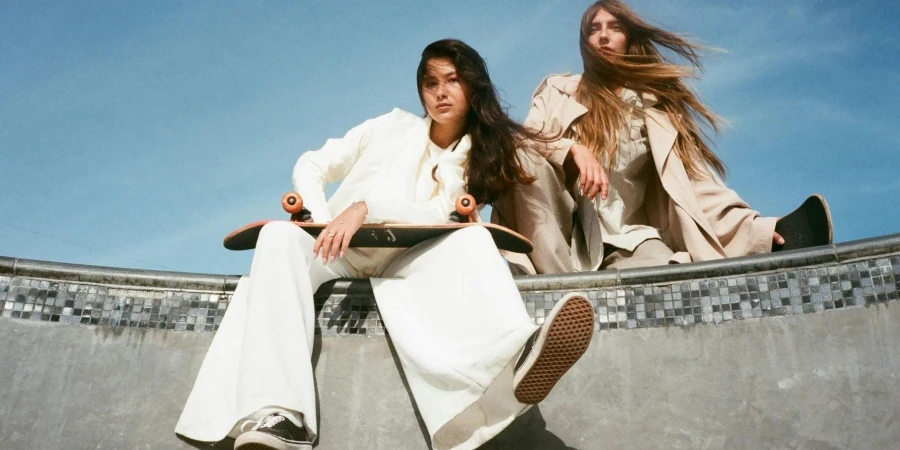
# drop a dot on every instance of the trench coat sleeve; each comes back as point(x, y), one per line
point(450, 175)
point(329, 164)
point(740, 230)
point(540, 119)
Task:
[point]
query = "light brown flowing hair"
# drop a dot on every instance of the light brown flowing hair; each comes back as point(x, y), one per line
point(645, 70)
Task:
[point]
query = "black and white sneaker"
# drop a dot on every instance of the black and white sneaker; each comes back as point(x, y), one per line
point(274, 432)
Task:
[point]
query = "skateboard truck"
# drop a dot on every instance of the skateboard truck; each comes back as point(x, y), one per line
point(465, 208)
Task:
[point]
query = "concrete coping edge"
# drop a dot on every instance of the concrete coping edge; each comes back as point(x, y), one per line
point(823, 255)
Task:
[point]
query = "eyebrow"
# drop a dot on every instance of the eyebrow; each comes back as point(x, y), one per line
point(611, 22)
point(431, 74)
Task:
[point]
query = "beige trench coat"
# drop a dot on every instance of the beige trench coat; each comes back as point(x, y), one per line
point(699, 220)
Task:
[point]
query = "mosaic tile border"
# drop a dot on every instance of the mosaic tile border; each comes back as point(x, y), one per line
point(347, 307)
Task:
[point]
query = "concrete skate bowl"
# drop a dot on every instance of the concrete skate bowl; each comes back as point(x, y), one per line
point(791, 350)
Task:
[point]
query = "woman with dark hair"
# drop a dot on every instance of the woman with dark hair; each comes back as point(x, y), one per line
point(631, 112)
point(454, 314)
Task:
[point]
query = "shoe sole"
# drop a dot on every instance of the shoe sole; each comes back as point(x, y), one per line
point(560, 343)
point(807, 226)
point(252, 440)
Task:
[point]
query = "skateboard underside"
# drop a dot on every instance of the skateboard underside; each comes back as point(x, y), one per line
point(387, 235)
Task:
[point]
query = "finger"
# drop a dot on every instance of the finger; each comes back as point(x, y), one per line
point(326, 244)
point(604, 184)
point(588, 182)
point(589, 187)
point(778, 238)
point(583, 175)
point(345, 244)
point(595, 185)
point(318, 244)
point(336, 244)
point(598, 180)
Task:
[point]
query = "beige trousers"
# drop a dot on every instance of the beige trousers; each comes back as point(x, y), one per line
point(451, 307)
point(652, 252)
point(545, 211)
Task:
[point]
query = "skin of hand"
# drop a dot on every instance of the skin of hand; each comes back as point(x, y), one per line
point(776, 238)
point(334, 240)
point(592, 177)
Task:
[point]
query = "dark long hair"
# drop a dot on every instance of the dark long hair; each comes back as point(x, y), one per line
point(644, 69)
point(493, 167)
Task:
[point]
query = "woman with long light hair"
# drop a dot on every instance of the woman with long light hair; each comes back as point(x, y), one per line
point(630, 179)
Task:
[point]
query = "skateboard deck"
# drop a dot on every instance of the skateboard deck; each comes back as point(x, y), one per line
point(387, 235)
point(807, 226)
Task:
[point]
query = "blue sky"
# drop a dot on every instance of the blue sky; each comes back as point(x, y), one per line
point(138, 134)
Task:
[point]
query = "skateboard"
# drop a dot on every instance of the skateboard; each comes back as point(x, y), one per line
point(385, 235)
point(807, 226)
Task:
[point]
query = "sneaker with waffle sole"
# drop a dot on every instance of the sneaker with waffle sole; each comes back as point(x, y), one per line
point(274, 432)
point(555, 347)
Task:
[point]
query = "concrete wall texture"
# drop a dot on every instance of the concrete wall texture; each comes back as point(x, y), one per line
point(792, 350)
point(825, 380)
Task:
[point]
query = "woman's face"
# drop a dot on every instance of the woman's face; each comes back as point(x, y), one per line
point(607, 34)
point(444, 93)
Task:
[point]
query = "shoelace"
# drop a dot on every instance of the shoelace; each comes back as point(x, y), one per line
point(269, 422)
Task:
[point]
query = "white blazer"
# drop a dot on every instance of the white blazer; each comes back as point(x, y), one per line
point(380, 162)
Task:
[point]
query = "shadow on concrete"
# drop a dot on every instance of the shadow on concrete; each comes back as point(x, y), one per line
point(528, 431)
point(425, 435)
point(224, 444)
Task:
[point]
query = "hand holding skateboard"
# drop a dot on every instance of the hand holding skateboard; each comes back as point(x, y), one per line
point(339, 232)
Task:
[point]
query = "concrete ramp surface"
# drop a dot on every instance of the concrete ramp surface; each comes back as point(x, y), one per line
point(793, 350)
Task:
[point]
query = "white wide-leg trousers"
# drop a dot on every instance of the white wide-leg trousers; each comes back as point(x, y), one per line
point(450, 305)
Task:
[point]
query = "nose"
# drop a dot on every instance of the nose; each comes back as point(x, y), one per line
point(603, 35)
point(439, 91)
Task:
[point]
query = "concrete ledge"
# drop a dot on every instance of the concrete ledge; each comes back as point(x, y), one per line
point(798, 282)
point(116, 276)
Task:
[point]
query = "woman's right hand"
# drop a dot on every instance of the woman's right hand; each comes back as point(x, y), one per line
point(592, 178)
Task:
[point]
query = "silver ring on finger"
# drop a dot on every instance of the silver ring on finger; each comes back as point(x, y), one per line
point(330, 234)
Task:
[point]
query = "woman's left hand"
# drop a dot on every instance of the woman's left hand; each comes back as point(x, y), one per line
point(334, 240)
point(776, 238)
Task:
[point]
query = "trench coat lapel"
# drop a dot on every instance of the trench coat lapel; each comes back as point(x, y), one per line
point(661, 135)
point(567, 111)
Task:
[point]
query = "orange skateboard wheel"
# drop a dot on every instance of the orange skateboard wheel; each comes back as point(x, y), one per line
point(292, 203)
point(465, 205)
